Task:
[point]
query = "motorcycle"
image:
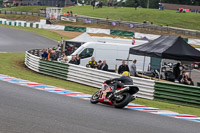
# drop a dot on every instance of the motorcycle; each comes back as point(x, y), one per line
point(120, 97)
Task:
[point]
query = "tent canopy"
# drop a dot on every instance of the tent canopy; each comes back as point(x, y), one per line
point(168, 47)
point(83, 38)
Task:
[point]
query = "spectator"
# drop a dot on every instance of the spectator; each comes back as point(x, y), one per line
point(73, 60)
point(184, 79)
point(78, 60)
point(122, 68)
point(67, 13)
point(50, 51)
point(53, 56)
point(58, 51)
point(44, 54)
point(92, 63)
point(99, 65)
point(71, 13)
point(133, 68)
point(176, 70)
point(104, 66)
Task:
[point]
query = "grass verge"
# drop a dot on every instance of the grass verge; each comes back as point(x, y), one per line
point(12, 64)
point(35, 9)
point(42, 32)
point(21, 17)
point(165, 17)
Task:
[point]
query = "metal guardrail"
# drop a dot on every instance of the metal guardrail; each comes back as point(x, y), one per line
point(177, 93)
point(22, 13)
point(83, 75)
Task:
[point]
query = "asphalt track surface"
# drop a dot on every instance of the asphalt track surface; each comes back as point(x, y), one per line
point(26, 110)
point(12, 40)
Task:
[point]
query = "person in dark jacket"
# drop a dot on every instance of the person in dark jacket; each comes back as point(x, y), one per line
point(185, 79)
point(73, 60)
point(176, 71)
point(125, 79)
point(99, 65)
point(78, 60)
point(104, 66)
point(122, 68)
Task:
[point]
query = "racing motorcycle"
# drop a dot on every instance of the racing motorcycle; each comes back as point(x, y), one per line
point(119, 98)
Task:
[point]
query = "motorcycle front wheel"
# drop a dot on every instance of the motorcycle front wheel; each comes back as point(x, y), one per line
point(95, 97)
point(122, 100)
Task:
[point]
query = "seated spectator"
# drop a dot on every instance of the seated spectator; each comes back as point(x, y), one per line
point(92, 63)
point(99, 65)
point(185, 79)
point(44, 54)
point(73, 60)
point(104, 66)
point(122, 68)
point(78, 60)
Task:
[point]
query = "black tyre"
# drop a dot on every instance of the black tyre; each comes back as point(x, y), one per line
point(122, 100)
point(94, 98)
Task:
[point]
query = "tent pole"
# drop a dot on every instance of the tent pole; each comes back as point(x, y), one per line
point(128, 59)
point(160, 68)
point(144, 64)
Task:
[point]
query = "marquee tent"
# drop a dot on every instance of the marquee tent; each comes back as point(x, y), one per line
point(168, 47)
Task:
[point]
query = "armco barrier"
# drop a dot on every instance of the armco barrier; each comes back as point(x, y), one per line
point(82, 75)
point(177, 93)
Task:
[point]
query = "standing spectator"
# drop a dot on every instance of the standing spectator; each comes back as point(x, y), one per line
point(50, 51)
point(176, 70)
point(122, 68)
point(99, 65)
point(133, 68)
point(71, 13)
point(44, 54)
point(78, 60)
point(104, 66)
point(67, 13)
point(92, 63)
point(184, 79)
point(73, 60)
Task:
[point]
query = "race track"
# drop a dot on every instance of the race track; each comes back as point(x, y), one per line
point(24, 109)
point(12, 40)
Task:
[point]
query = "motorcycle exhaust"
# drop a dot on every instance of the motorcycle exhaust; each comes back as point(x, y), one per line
point(122, 90)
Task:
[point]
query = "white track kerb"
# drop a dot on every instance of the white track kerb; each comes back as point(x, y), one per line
point(81, 95)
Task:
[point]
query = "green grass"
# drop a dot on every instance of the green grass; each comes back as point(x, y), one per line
point(12, 64)
point(165, 17)
point(35, 9)
point(21, 17)
point(42, 32)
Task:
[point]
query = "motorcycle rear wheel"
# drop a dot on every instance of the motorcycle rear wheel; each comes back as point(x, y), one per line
point(94, 98)
point(122, 102)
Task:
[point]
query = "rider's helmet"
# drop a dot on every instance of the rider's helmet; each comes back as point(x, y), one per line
point(126, 73)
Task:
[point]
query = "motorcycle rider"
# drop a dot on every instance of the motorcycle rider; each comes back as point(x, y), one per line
point(125, 79)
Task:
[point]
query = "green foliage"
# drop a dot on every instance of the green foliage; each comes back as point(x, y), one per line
point(35, 9)
point(165, 17)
